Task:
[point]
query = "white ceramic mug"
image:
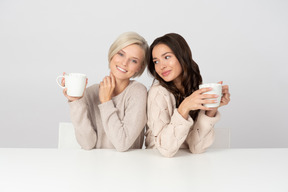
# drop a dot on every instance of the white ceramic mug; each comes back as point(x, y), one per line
point(74, 82)
point(216, 89)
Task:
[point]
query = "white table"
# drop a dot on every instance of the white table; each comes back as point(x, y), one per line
point(143, 170)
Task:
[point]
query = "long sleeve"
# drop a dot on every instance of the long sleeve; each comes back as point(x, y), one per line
point(123, 132)
point(202, 134)
point(80, 117)
point(167, 129)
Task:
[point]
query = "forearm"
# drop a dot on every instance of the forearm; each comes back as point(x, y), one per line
point(199, 143)
point(84, 132)
point(170, 135)
point(122, 133)
point(166, 142)
point(202, 134)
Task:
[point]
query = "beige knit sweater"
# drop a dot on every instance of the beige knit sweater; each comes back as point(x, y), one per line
point(118, 123)
point(168, 131)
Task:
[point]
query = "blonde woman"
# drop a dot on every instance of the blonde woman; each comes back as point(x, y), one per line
point(112, 114)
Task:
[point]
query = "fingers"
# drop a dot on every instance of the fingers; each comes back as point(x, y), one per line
point(209, 96)
point(112, 79)
point(106, 89)
point(203, 90)
point(225, 89)
point(208, 101)
point(202, 107)
point(225, 92)
point(226, 98)
point(63, 80)
point(225, 95)
point(65, 92)
point(106, 81)
point(220, 82)
point(70, 99)
point(225, 101)
point(101, 84)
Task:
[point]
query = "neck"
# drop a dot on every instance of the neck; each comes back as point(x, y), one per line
point(120, 85)
point(179, 86)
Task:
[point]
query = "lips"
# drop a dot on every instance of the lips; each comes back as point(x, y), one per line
point(166, 73)
point(120, 69)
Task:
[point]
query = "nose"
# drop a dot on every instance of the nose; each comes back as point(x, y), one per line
point(125, 62)
point(162, 65)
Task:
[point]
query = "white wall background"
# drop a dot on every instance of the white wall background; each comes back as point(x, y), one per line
point(244, 43)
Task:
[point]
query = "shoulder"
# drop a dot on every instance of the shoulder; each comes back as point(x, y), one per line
point(136, 88)
point(135, 92)
point(135, 85)
point(160, 95)
point(160, 100)
point(157, 89)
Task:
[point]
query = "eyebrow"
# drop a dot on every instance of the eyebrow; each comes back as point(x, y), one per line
point(163, 54)
point(135, 58)
point(132, 57)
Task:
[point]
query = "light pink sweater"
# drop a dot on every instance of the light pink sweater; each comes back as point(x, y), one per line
point(118, 123)
point(168, 131)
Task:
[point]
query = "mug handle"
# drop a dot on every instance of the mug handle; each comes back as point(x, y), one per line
point(57, 80)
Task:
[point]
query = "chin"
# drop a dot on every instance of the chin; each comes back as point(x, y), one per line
point(121, 76)
point(167, 79)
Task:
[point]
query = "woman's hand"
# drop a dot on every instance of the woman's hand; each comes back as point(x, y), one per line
point(196, 100)
point(71, 99)
point(106, 88)
point(225, 99)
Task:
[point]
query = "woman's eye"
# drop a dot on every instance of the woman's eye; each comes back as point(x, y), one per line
point(134, 61)
point(167, 57)
point(155, 62)
point(121, 54)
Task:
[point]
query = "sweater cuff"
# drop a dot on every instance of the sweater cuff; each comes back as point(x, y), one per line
point(77, 103)
point(205, 122)
point(211, 120)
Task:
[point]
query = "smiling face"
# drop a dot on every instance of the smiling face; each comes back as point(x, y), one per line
point(166, 64)
point(127, 62)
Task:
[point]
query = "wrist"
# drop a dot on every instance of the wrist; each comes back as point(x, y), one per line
point(211, 113)
point(183, 112)
point(105, 100)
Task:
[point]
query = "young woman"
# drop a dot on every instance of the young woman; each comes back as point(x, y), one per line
point(176, 115)
point(112, 114)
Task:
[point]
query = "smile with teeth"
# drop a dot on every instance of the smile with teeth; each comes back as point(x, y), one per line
point(120, 69)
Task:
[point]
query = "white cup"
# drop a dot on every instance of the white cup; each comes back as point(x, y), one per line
point(216, 89)
point(74, 82)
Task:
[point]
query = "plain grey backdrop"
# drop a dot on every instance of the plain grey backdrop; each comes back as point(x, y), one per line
point(244, 43)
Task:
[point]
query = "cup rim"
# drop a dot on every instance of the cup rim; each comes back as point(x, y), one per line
point(210, 84)
point(76, 74)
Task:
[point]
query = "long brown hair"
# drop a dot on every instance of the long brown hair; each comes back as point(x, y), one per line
point(191, 77)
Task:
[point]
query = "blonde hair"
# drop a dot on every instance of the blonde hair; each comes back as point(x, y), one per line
point(129, 38)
